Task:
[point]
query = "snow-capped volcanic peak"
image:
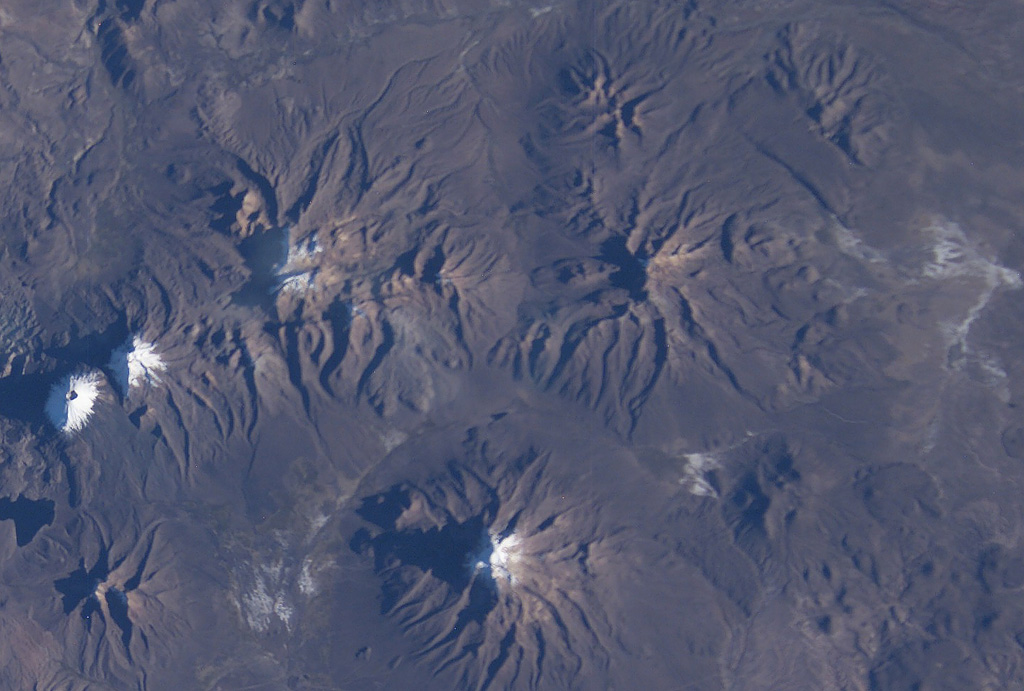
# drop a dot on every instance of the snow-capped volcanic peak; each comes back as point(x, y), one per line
point(501, 557)
point(73, 399)
point(136, 363)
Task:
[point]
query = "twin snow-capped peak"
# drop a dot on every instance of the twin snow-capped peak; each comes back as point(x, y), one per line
point(72, 400)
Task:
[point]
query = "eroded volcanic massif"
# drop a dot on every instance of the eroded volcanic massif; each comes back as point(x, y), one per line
point(462, 344)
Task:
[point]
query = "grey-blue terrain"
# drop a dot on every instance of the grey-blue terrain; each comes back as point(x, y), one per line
point(469, 344)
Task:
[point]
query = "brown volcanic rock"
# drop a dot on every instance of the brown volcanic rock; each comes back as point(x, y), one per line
point(512, 345)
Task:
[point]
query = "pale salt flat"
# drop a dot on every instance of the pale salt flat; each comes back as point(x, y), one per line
point(953, 257)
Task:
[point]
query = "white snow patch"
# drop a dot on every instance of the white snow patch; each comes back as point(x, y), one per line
point(284, 612)
point(392, 439)
point(307, 584)
point(298, 273)
point(258, 606)
point(136, 363)
point(695, 470)
point(73, 399)
point(298, 283)
point(504, 559)
point(264, 601)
